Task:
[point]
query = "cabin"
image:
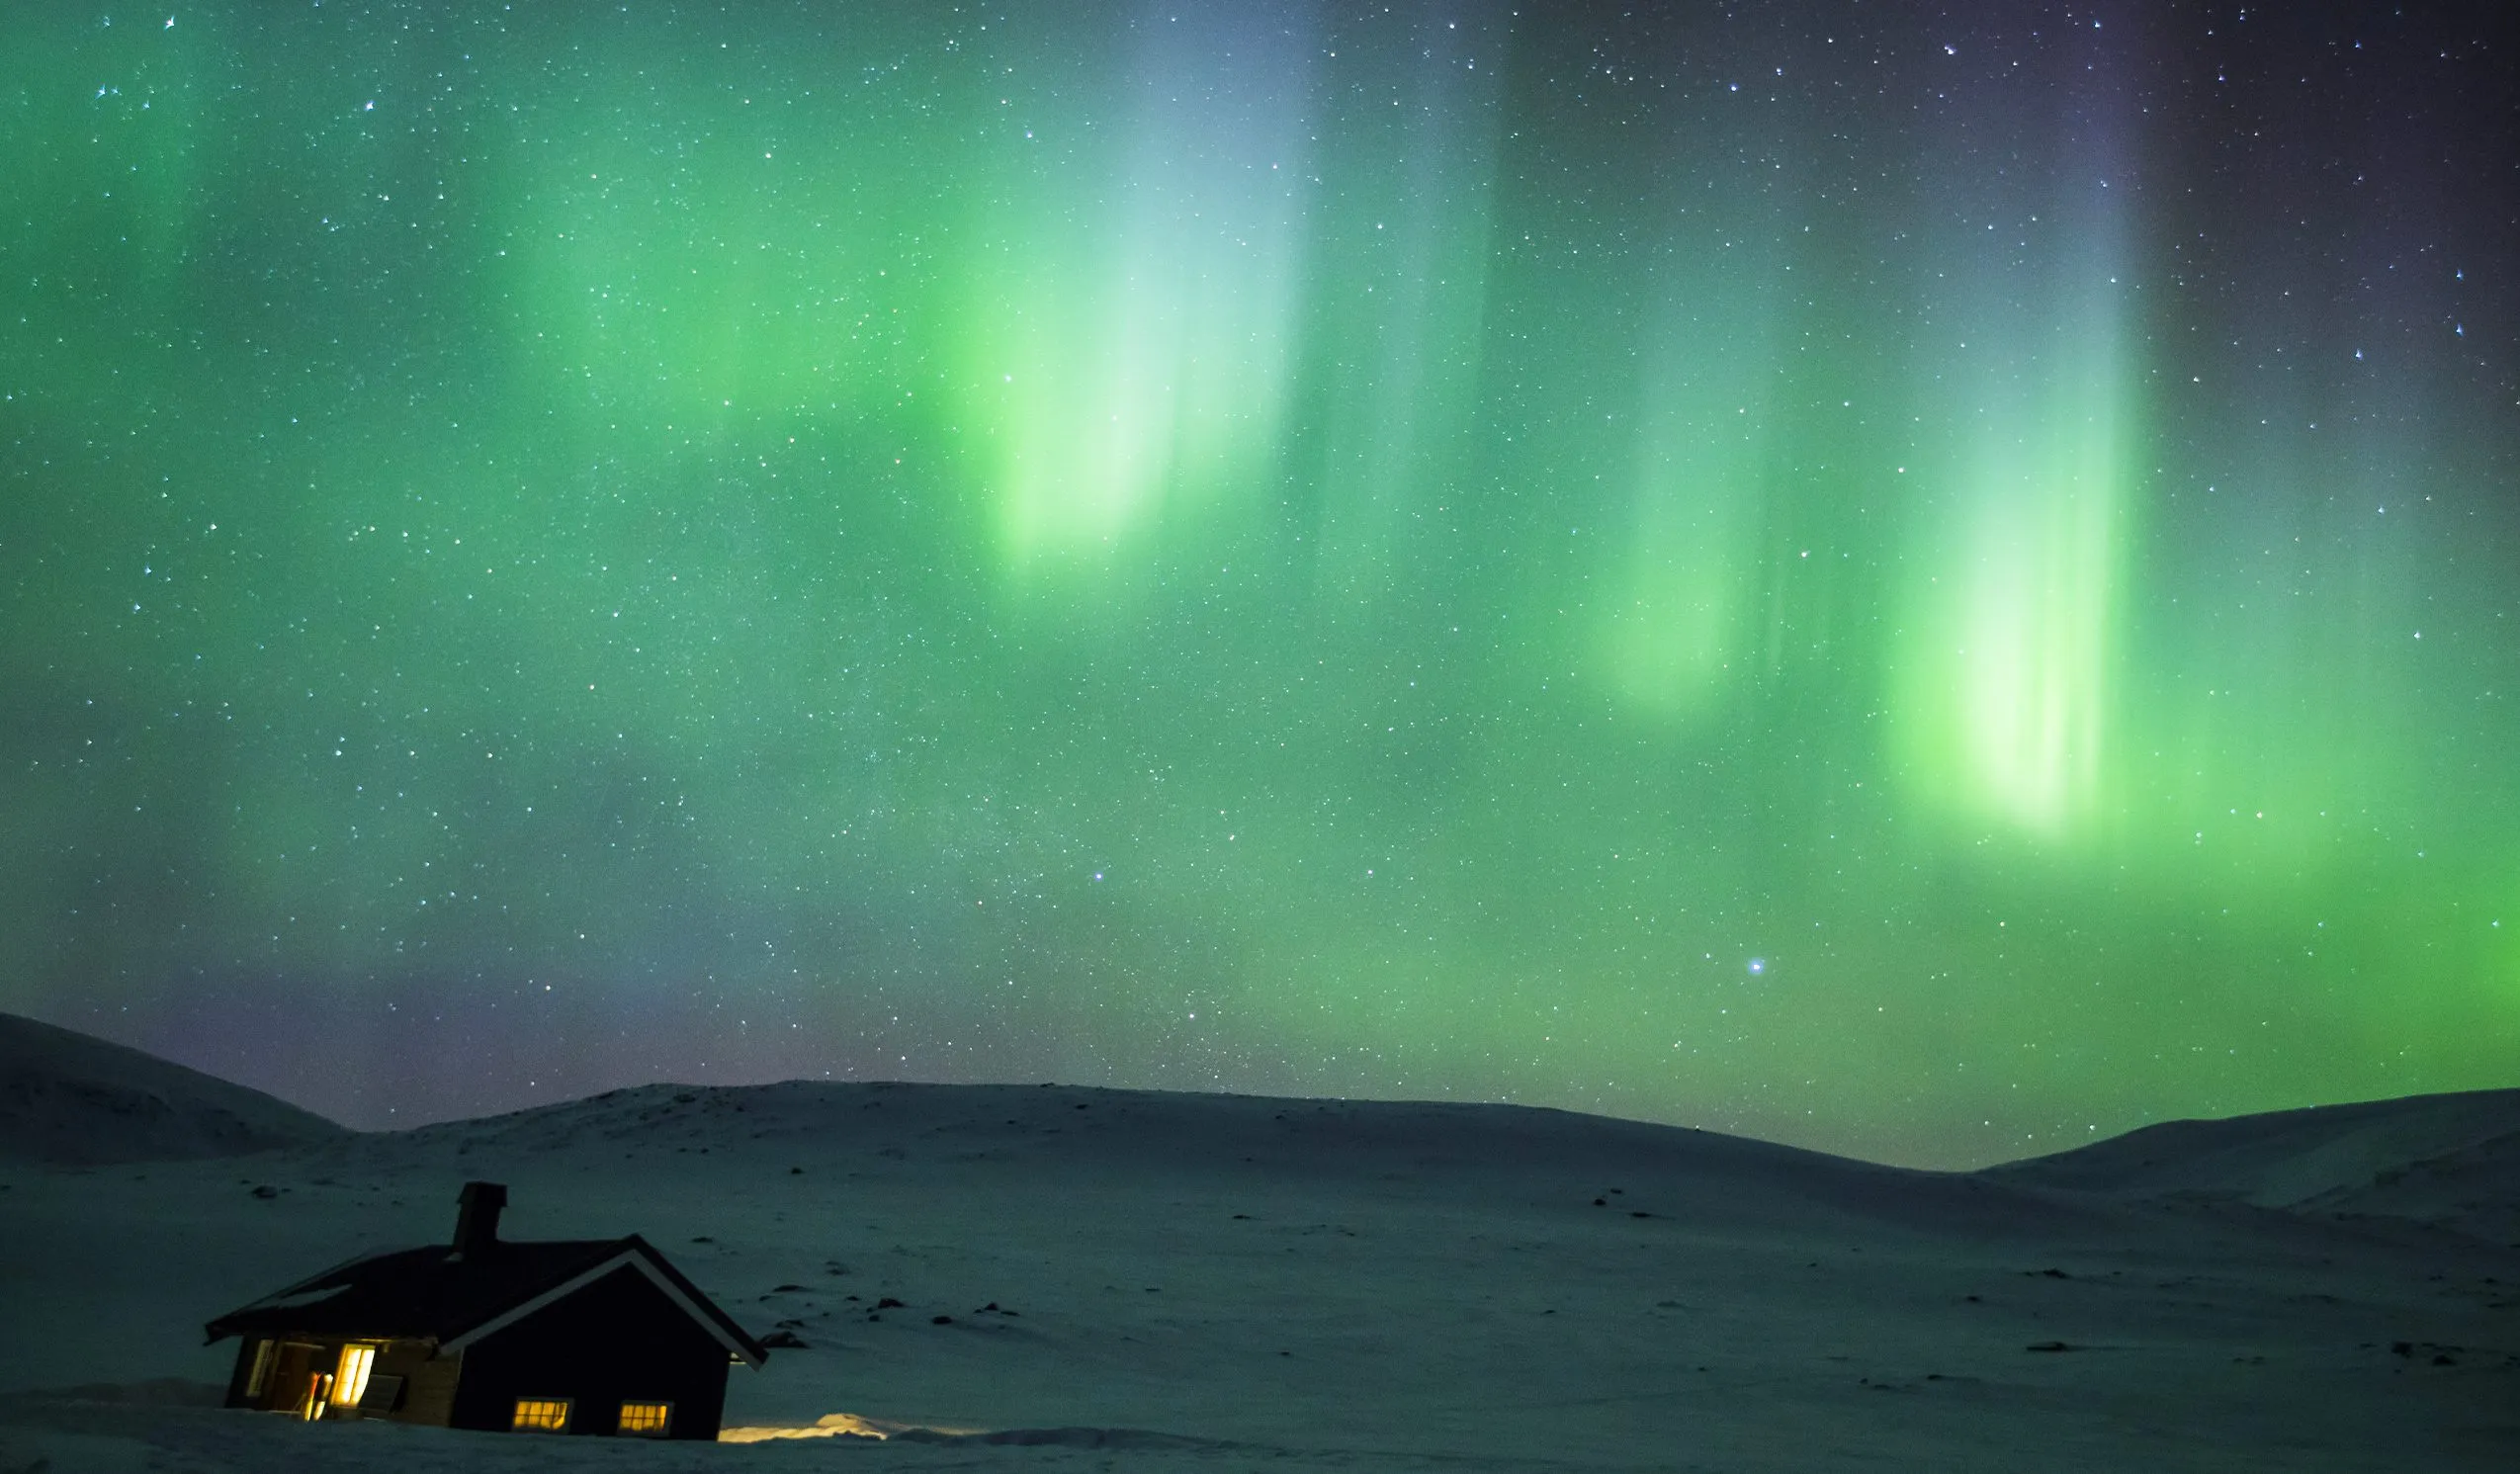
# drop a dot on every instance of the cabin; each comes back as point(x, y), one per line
point(577, 1335)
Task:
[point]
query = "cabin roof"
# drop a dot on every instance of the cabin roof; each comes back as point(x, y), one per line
point(436, 1293)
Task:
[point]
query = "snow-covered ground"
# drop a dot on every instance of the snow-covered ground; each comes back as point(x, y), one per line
point(1207, 1282)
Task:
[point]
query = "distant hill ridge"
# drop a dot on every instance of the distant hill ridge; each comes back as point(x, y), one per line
point(76, 1100)
point(2444, 1161)
point(2448, 1161)
point(2452, 1161)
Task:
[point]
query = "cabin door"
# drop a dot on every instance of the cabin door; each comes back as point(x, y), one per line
point(293, 1372)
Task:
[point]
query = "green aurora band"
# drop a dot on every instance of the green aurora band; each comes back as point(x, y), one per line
point(1925, 588)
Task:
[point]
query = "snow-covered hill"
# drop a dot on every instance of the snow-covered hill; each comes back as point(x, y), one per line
point(73, 1098)
point(2452, 1160)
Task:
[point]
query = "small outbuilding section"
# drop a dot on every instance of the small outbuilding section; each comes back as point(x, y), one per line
point(591, 1336)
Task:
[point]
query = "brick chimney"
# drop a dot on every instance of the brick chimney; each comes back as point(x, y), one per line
point(477, 1218)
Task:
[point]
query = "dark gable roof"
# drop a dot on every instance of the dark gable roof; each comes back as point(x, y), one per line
point(436, 1294)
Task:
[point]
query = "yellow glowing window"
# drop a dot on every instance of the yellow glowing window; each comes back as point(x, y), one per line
point(646, 1420)
point(541, 1415)
point(350, 1381)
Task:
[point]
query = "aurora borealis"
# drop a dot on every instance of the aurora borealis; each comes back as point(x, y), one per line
point(1925, 585)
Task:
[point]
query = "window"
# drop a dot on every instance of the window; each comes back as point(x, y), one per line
point(350, 1381)
point(260, 1377)
point(646, 1420)
point(541, 1415)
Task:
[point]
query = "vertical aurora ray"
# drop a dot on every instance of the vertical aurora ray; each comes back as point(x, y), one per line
point(2008, 686)
point(1705, 485)
point(1397, 286)
point(1698, 511)
point(2022, 691)
point(1133, 357)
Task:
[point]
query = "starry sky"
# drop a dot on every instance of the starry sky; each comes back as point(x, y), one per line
point(1929, 582)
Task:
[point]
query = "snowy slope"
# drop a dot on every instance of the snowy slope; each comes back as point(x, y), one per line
point(2448, 1159)
point(69, 1097)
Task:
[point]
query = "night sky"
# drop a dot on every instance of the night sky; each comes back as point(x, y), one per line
point(1931, 581)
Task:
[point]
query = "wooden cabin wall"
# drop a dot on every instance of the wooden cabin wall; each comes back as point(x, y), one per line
point(246, 1349)
point(428, 1381)
point(617, 1339)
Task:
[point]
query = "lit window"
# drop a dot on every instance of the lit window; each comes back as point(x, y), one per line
point(350, 1382)
point(260, 1377)
point(646, 1420)
point(541, 1415)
